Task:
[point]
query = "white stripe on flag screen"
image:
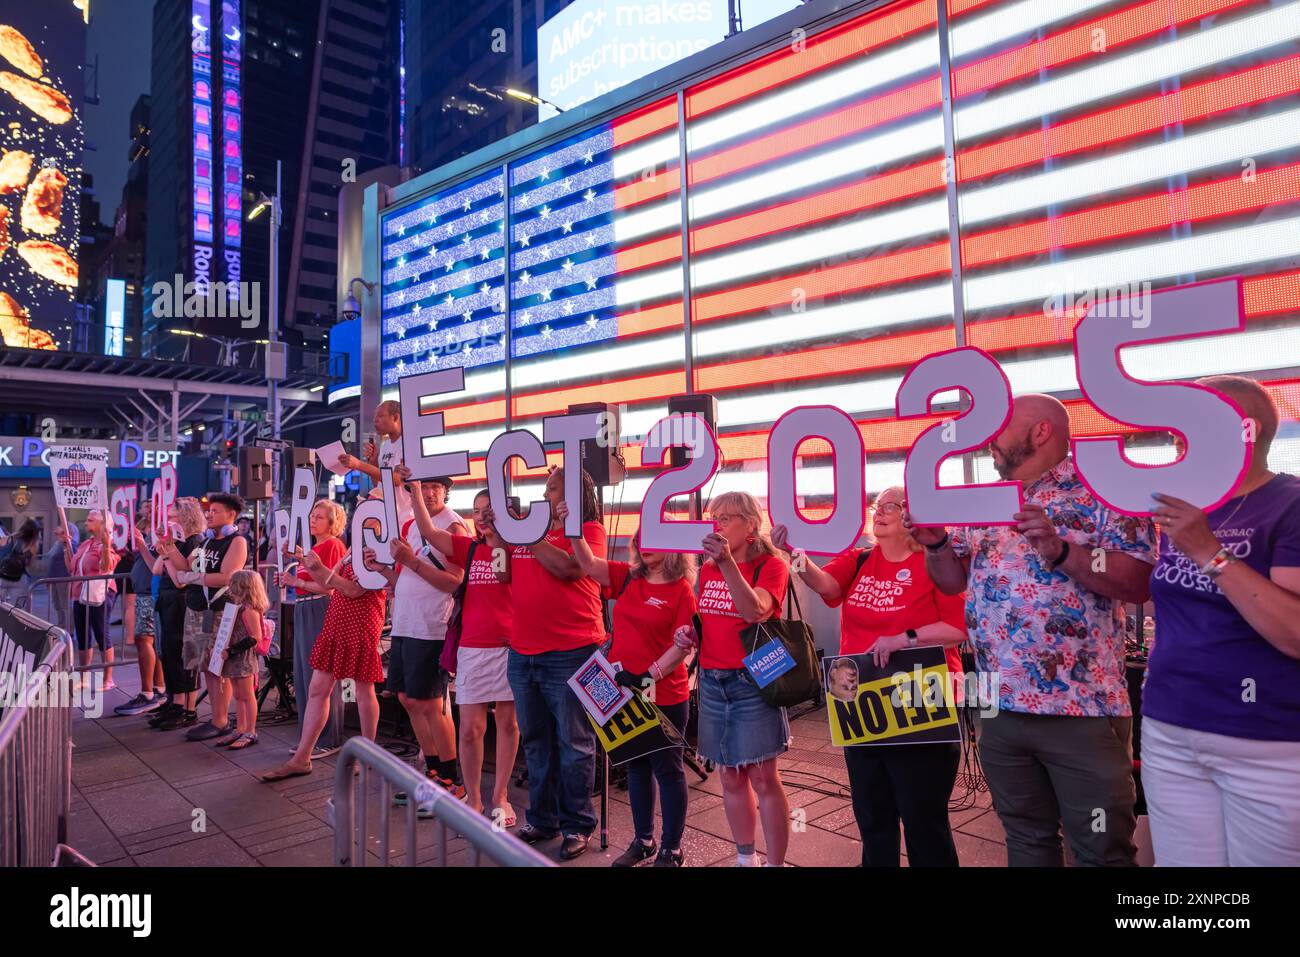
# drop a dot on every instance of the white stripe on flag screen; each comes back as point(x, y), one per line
point(1101, 146)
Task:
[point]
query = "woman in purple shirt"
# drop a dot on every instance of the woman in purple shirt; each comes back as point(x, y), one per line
point(1221, 705)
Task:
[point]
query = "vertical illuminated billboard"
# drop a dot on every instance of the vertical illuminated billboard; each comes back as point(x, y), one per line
point(1098, 147)
point(42, 55)
point(232, 156)
point(203, 146)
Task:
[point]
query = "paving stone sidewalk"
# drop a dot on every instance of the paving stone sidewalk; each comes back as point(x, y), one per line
point(139, 797)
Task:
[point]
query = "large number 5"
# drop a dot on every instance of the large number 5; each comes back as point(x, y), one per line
point(1211, 425)
point(977, 374)
point(691, 432)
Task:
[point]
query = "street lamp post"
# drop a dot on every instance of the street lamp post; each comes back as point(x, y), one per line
point(274, 360)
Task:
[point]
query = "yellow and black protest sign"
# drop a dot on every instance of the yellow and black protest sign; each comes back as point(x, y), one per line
point(908, 702)
point(635, 730)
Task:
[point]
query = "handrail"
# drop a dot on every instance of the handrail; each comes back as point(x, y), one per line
point(484, 838)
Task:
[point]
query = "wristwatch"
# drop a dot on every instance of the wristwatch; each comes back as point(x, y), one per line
point(911, 637)
point(1060, 559)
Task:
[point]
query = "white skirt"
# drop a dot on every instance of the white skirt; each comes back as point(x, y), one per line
point(481, 675)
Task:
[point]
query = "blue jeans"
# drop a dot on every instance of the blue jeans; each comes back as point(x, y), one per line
point(559, 743)
point(667, 768)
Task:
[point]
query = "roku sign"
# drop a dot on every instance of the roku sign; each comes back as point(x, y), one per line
point(1217, 452)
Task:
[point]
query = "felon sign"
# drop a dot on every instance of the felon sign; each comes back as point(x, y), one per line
point(909, 702)
point(635, 730)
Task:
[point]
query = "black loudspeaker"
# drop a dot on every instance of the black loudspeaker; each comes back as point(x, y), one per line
point(302, 458)
point(603, 463)
point(702, 404)
point(254, 473)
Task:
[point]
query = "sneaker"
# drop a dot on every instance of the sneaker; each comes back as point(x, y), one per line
point(636, 853)
point(669, 857)
point(163, 713)
point(181, 719)
point(206, 731)
point(454, 788)
point(139, 705)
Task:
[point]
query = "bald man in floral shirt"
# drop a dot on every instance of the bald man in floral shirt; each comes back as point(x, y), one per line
point(1045, 613)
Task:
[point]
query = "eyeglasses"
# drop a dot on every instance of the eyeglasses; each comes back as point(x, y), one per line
point(888, 508)
point(724, 518)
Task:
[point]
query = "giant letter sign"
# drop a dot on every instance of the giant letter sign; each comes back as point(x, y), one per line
point(572, 431)
point(384, 511)
point(841, 529)
point(522, 444)
point(417, 427)
point(976, 373)
point(692, 433)
point(304, 485)
point(123, 512)
point(1216, 458)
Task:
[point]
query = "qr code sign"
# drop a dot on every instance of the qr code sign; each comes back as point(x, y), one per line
point(604, 693)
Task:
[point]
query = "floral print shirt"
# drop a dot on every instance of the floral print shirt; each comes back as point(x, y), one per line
point(1055, 647)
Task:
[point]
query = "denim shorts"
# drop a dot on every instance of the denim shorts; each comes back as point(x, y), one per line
point(737, 726)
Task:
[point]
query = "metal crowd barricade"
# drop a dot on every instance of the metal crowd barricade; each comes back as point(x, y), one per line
point(350, 817)
point(66, 581)
point(36, 758)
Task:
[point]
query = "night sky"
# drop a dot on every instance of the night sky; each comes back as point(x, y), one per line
point(120, 36)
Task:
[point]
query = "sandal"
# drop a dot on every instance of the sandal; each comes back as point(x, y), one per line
point(246, 740)
point(286, 771)
point(228, 738)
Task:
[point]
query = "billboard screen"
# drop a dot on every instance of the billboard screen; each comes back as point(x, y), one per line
point(42, 55)
point(594, 46)
point(1101, 148)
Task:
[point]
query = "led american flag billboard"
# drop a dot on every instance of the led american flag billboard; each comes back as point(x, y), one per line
point(1097, 147)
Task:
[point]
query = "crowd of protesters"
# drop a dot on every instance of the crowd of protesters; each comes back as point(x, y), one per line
point(1039, 603)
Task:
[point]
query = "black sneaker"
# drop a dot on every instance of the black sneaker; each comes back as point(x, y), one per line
point(181, 719)
point(139, 705)
point(636, 853)
point(669, 857)
point(207, 731)
point(534, 835)
point(165, 713)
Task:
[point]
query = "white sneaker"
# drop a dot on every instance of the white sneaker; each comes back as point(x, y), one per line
point(747, 860)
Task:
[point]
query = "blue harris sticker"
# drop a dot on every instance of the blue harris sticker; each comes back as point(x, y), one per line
point(768, 663)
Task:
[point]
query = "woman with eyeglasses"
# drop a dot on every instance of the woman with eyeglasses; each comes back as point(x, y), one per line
point(743, 581)
point(889, 604)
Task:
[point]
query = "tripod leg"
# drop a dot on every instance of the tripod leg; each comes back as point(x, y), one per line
point(604, 800)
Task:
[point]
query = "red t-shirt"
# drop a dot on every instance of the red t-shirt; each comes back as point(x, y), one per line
point(887, 598)
point(485, 615)
point(720, 646)
point(556, 615)
point(330, 551)
point(645, 616)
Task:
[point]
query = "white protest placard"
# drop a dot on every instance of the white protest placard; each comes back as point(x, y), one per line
point(224, 629)
point(381, 510)
point(300, 505)
point(122, 509)
point(331, 456)
point(596, 688)
point(281, 524)
point(80, 476)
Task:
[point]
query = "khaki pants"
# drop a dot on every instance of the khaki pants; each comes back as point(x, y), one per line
point(1046, 772)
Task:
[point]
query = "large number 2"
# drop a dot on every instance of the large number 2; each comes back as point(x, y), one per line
point(1211, 425)
point(689, 431)
point(976, 373)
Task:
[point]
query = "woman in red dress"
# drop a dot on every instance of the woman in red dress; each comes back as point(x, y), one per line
point(347, 647)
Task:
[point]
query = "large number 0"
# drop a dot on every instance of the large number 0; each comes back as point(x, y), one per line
point(689, 431)
point(976, 373)
point(1211, 425)
point(841, 529)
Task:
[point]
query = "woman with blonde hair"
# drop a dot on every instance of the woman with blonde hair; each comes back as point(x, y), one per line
point(185, 524)
point(654, 595)
point(743, 582)
point(239, 663)
point(890, 605)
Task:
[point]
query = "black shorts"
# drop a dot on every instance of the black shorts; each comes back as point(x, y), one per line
point(413, 668)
